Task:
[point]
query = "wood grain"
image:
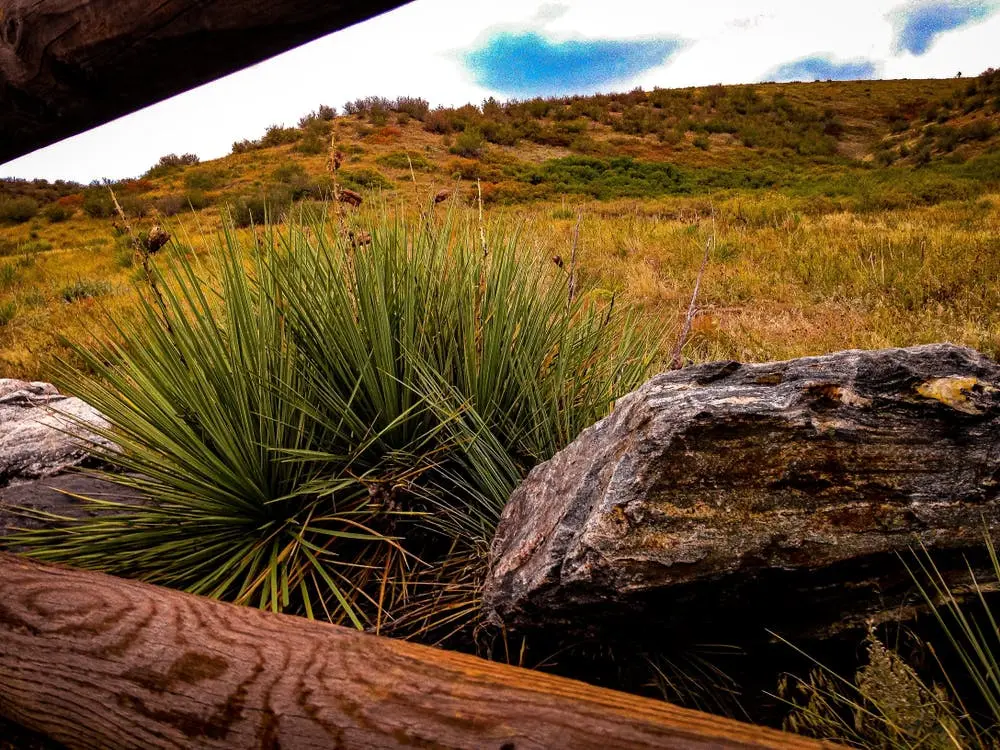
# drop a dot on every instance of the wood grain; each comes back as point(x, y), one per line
point(68, 65)
point(100, 662)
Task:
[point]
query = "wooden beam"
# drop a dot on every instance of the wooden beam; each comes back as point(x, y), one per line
point(96, 661)
point(68, 65)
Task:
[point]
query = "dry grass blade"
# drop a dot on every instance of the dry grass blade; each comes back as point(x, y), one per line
point(676, 361)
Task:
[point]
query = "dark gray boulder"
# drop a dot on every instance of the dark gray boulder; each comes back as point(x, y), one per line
point(776, 494)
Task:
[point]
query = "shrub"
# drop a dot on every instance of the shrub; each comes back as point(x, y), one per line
point(470, 143)
point(197, 200)
point(413, 106)
point(889, 704)
point(289, 172)
point(252, 209)
point(171, 163)
point(9, 275)
point(268, 206)
point(170, 205)
point(501, 133)
point(323, 114)
point(84, 289)
point(18, 210)
point(441, 121)
point(8, 311)
point(465, 169)
point(245, 146)
point(305, 441)
point(618, 177)
point(979, 130)
point(278, 135)
point(35, 246)
point(57, 212)
point(203, 179)
point(97, 203)
point(175, 203)
point(311, 145)
point(134, 206)
point(360, 179)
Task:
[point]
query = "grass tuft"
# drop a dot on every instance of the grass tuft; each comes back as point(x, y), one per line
point(333, 431)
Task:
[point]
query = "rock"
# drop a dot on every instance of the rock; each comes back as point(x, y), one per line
point(775, 495)
point(58, 495)
point(42, 432)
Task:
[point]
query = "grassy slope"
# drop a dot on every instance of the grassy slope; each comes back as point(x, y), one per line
point(820, 244)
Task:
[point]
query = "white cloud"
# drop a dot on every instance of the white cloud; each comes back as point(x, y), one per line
point(416, 50)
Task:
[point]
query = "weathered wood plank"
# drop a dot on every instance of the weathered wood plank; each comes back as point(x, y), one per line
point(101, 662)
point(68, 65)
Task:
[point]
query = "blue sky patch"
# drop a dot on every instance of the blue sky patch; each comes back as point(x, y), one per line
point(919, 24)
point(823, 68)
point(527, 64)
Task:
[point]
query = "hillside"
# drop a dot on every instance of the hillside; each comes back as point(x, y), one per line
point(845, 213)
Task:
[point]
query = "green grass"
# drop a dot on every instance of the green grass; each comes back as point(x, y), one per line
point(889, 704)
point(84, 289)
point(8, 311)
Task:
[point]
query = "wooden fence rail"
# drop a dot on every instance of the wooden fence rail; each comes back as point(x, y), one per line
point(101, 662)
point(68, 65)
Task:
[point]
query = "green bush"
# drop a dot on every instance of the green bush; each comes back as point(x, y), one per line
point(171, 163)
point(245, 146)
point(324, 114)
point(170, 204)
point(134, 206)
point(97, 203)
point(8, 311)
point(611, 178)
point(84, 289)
point(361, 179)
point(10, 273)
point(889, 703)
point(278, 135)
point(18, 210)
point(204, 179)
point(289, 172)
point(175, 203)
point(35, 246)
point(268, 206)
point(470, 143)
point(311, 145)
point(334, 433)
point(57, 212)
point(197, 199)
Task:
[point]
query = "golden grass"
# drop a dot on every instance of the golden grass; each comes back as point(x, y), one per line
point(779, 286)
point(790, 275)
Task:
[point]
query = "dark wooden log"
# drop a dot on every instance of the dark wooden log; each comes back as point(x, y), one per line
point(68, 65)
point(96, 661)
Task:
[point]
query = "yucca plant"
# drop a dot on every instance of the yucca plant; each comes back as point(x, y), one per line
point(330, 428)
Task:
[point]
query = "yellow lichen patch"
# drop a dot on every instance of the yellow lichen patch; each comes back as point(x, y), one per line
point(953, 391)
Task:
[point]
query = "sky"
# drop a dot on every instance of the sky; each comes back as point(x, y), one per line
point(452, 52)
